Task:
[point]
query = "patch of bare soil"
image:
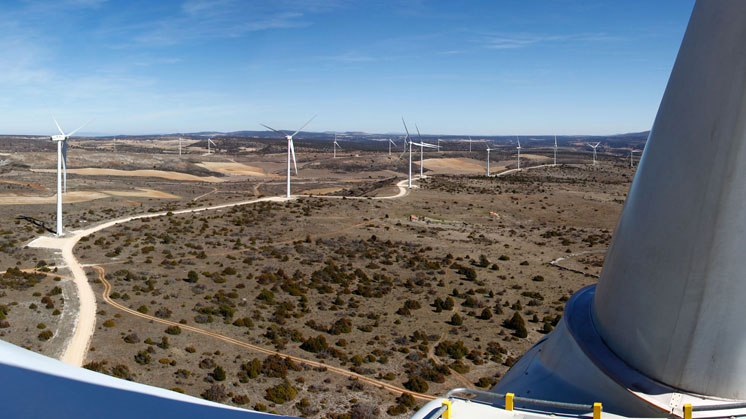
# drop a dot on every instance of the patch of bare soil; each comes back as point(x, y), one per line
point(235, 169)
point(94, 171)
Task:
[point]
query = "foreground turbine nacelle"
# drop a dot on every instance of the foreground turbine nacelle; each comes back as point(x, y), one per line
point(58, 137)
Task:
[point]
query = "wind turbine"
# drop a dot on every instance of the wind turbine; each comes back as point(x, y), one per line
point(209, 141)
point(409, 184)
point(179, 146)
point(291, 150)
point(61, 140)
point(335, 145)
point(594, 151)
point(555, 150)
point(438, 145)
point(488, 161)
point(519, 152)
point(422, 145)
point(390, 143)
point(631, 162)
point(469, 144)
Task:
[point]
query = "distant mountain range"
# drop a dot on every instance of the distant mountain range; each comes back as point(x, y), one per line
point(617, 140)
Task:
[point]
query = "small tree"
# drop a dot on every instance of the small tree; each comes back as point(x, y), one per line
point(486, 314)
point(517, 324)
point(416, 384)
point(218, 373)
point(192, 277)
point(456, 320)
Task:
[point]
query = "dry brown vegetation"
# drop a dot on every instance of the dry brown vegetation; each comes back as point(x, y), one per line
point(450, 301)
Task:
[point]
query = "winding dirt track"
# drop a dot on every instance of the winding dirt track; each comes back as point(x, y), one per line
point(78, 346)
point(330, 368)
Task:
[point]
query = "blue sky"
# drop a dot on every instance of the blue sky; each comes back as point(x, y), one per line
point(476, 67)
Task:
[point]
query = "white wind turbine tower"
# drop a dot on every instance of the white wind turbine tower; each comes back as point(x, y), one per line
point(594, 151)
point(209, 141)
point(422, 145)
point(61, 141)
point(519, 152)
point(291, 150)
point(409, 184)
point(438, 145)
point(390, 143)
point(631, 162)
point(469, 144)
point(555, 150)
point(488, 161)
point(180, 146)
point(335, 145)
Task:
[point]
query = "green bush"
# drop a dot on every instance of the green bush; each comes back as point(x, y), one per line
point(192, 276)
point(454, 350)
point(218, 373)
point(416, 384)
point(315, 345)
point(281, 393)
point(45, 335)
point(173, 330)
point(341, 326)
point(517, 324)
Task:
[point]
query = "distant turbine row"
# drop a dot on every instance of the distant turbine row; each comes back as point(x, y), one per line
point(61, 140)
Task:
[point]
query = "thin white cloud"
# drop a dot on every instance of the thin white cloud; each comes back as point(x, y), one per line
point(527, 40)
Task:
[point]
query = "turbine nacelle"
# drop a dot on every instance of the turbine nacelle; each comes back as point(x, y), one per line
point(58, 137)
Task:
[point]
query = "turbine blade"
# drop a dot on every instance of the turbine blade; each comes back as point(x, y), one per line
point(405, 129)
point(79, 128)
point(58, 125)
point(272, 129)
point(418, 132)
point(304, 125)
point(292, 152)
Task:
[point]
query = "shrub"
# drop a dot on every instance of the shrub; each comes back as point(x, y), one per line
point(341, 326)
point(142, 358)
point(192, 277)
point(109, 323)
point(454, 350)
point(173, 330)
point(364, 411)
point(131, 338)
point(517, 324)
point(45, 335)
point(216, 393)
point(122, 371)
point(456, 320)
point(486, 314)
point(281, 393)
point(483, 261)
point(240, 399)
point(252, 368)
point(459, 367)
point(416, 384)
point(218, 373)
point(315, 345)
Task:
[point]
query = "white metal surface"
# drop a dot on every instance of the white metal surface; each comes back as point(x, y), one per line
point(671, 298)
point(36, 386)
